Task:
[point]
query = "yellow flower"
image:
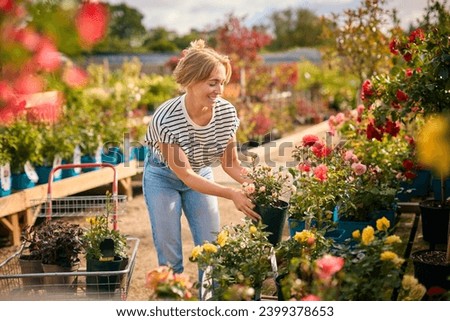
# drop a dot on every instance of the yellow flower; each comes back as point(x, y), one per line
point(383, 224)
point(304, 236)
point(409, 282)
point(391, 239)
point(196, 251)
point(253, 229)
point(368, 235)
point(210, 248)
point(433, 145)
point(356, 234)
point(222, 238)
point(388, 256)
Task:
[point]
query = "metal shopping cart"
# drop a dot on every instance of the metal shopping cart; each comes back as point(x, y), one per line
point(19, 284)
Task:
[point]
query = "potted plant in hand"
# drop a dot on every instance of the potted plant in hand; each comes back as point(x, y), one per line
point(106, 250)
point(270, 192)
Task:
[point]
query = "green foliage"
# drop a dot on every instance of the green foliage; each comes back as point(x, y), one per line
point(23, 142)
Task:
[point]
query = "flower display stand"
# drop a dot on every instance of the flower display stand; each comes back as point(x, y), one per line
point(296, 225)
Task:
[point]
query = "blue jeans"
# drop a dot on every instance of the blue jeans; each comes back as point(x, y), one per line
point(166, 196)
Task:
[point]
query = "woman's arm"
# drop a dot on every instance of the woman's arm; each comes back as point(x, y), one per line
point(179, 164)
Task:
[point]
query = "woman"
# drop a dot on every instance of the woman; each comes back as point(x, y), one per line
point(188, 134)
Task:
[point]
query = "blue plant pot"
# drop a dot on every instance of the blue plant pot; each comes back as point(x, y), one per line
point(43, 172)
point(21, 181)
point(296, 225)
point(6, 192)
point(89, 159)
point(419, 187)
point(66, 173)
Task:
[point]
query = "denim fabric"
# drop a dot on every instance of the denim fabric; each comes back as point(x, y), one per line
point(167, 197)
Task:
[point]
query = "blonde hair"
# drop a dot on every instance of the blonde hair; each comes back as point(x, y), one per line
point(198, 63)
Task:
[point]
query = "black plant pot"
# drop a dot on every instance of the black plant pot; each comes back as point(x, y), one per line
point(103, 282)
point(274, 217)
point(431, 268)
point(434, 221)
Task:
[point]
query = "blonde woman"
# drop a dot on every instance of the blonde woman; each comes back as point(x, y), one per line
point(189, 134)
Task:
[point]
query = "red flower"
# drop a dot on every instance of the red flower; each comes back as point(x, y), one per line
point(408, 164)
point(91, 22)
point(401, 95)
point(367, 89)
point(393, 46)
point(28, 84)
point(416, 35)
point(311, 297)
point(6, 5)
point(407, 56)
point(309, 140)
point(373, 131)
point(408, 72)
point(410, 175)
point(392, 128)
point(304, 167)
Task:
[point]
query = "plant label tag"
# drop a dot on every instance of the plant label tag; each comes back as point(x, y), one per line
point(77, 159)
point(31, 172)
point(57, 161)
point(98, 154)
point(5, 177)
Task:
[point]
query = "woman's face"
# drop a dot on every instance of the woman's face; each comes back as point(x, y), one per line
point(206, 92)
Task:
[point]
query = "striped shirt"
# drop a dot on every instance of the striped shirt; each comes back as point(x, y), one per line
point(203, 145)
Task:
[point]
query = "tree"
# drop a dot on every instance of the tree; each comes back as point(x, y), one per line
point(362, 43)
point(160, 40)
point(295, 28)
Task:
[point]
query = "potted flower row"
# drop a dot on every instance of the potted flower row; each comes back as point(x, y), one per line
point(239, 264)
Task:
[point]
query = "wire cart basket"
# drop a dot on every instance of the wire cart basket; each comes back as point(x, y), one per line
point(17, 283)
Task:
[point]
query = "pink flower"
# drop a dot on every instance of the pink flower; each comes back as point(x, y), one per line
point(249, 189)
point(350, 156)
point(311, 297)
point(359, 168)
point(75, 77)
point(329, 265)
point(309, 140)
point(48, 58)
point(28, 84)
point(91, 22)
point(320, 172)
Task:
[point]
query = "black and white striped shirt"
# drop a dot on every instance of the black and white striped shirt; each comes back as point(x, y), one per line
point(203, 145)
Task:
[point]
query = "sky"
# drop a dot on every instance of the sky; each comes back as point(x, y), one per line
point(183, 15)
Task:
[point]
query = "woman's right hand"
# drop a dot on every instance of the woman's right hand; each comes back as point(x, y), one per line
point(244, 204)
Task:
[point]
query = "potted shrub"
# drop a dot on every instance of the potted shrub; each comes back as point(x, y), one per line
point(270, 192)
point(30, 258)
point(105, 250)
point(60, 246)
point(23, 143)
point(240, 256)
